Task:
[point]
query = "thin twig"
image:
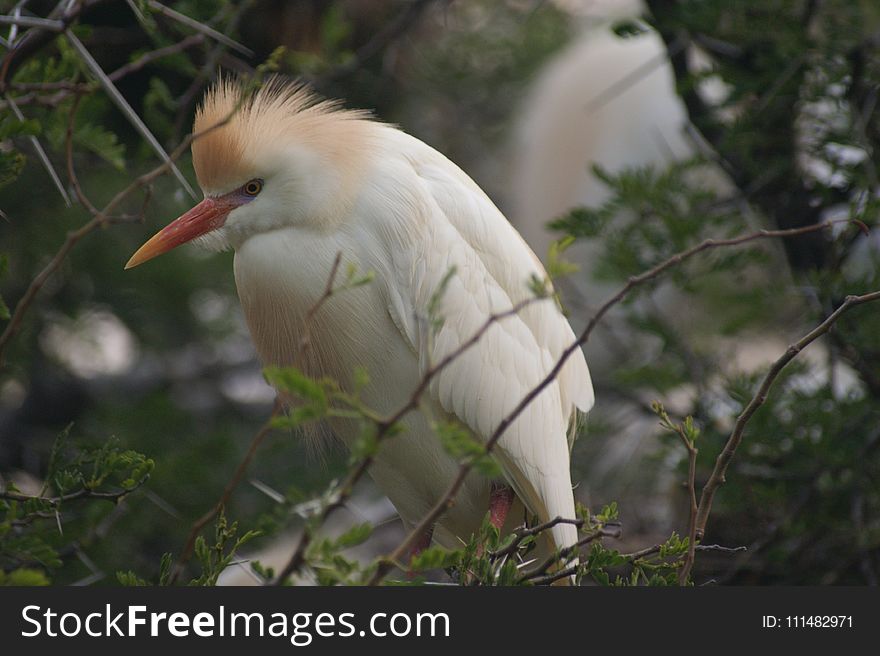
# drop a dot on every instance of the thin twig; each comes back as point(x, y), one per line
point(200, 27)
point(41, 154)
point(71, 171)
point(688, 441)
point(305, 341)
point(208, 69)
point(151, 56)
point(31, 21)
point(566, 553)
point(716, 479)
point(685, 572)
point(36, 37)
point(522, 533)
point(547, 579)
point(122, 104)
point(64, 88)
point(655, 549)
point(83, 493)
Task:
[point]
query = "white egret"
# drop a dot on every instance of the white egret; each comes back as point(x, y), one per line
point(289, 183)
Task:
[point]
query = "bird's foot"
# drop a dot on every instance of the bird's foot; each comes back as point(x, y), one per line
point(500, 501)
point(418, 547)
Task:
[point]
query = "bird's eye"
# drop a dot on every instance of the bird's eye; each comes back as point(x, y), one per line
point(253, 187)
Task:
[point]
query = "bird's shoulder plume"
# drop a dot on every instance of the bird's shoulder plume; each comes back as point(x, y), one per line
point(233, 125)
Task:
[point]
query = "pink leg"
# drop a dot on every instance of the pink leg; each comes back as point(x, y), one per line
point(500, 501)
point(418, 547)
point(421, 544)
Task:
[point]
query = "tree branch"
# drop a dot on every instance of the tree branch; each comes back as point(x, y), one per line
point(102, 218)
point(447, 499)
point(36, 37)
point(716, 479)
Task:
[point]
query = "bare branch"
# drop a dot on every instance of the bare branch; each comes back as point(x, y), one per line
point(567, 553)
point(200, 27)
point(526, 531)
point(41, 154)
point(149, 57)
point(71, 172)
point(83, 493)
point(716, 479)
point(650, 551)
point(305, 341)
point(30, 21)
point(36, 37)
point(126, 109)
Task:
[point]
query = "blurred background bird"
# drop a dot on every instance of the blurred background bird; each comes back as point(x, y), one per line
point(291, 183)
point(607, 104)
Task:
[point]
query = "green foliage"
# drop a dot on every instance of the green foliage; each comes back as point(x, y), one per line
point(314, 395)
point(687, 429)
point(24, 576)
point(557, 266)
point(12, 161)
point(667, 211)
point(327, 560)
point(215, 558)
point(490, 559)
point(434, 557)
point(802, 485)
point(34, 528)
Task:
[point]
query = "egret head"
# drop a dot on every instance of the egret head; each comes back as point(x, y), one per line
point(266, 160)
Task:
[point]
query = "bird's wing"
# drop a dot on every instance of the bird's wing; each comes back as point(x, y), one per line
point(460, 230)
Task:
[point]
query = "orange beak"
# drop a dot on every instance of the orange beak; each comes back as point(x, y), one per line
point(208, 215)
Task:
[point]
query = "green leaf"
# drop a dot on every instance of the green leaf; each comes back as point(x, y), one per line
point(132, 580)
point(12, 127)
point(557, 266)
point(291, 379)
point(102, 143)
point(24, 576)
point(11, 165)
point(434, 557)
point(165, 568)
point(354, 536)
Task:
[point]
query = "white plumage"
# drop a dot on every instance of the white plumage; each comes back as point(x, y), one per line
point(391, 205)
